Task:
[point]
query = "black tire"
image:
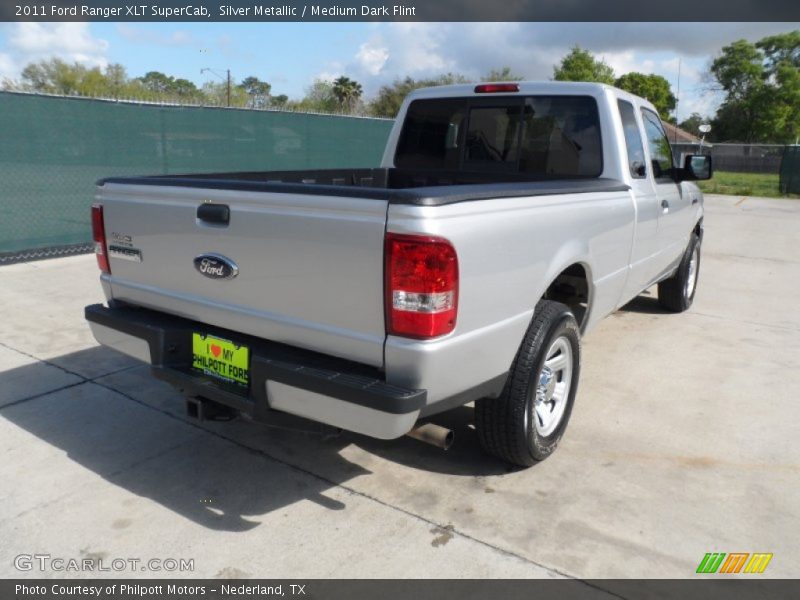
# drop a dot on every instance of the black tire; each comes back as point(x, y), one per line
point(674, 294)
point(505, 425)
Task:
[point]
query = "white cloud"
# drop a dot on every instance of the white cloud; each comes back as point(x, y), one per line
point(418, 48)
point(627, 61)
point(372, 56)
point(142, 35)
point(68, 41)
point(32, 42)
point(332, 70)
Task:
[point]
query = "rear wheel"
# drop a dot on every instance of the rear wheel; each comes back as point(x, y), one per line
point(525, 424)
point(677, 292)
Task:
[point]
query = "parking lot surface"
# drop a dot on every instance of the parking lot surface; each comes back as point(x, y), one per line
point(683, 441)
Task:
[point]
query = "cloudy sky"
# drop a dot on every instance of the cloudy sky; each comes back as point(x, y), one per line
point(292, 55)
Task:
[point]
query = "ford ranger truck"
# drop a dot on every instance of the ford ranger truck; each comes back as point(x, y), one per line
point(505, 221)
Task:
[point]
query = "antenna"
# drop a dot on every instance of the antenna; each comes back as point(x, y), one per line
point(677, 102)
point(704, 129)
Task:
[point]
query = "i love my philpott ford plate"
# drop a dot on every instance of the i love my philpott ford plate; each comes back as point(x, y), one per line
point(221, 359)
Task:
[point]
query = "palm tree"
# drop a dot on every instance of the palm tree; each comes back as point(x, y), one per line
point(347, 92)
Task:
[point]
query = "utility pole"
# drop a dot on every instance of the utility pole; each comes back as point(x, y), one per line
point(226, 79)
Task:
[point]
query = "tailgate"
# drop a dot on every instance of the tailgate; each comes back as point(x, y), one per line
point(310, 267)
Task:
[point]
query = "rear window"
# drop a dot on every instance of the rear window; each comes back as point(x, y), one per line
point(551, 136)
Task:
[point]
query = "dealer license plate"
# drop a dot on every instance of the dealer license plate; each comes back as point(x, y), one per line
point(221, 359)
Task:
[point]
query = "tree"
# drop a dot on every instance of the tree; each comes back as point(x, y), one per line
point(158, 86)
point(504, 74)
point(347, 92)
point(390, 97)
point(692, 124)
point(782, 48)
point(257, 90)
point(157, 82)
point(581, 65)
point(761, 83)
point(56, 76)
point(782, 66)
point(739, 71)
point(185, 89)
point(92, 82)
point(653, 87)
point(319, 98)
point(279, 101)
point(53, 76)
point(117, 79)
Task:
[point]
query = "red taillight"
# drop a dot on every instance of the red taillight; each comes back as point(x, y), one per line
point(99, 236)
point(496, 88)
point(421, 286)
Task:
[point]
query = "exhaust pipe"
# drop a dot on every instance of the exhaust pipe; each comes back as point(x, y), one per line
point(435, 435)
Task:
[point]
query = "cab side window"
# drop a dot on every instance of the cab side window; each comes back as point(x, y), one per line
point(633, 140)
point(660, 150)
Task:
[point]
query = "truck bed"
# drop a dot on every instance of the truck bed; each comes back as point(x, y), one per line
point(397, 186)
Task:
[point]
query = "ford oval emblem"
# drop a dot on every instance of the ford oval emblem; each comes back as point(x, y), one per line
point(215, 266)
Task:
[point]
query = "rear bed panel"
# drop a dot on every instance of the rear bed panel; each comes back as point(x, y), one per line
point(310, 266)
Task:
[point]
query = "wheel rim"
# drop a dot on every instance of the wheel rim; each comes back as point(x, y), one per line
point(691, 279)
point(552, 387)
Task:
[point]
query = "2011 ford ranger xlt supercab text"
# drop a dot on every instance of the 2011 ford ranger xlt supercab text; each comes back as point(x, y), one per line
point(506, 220)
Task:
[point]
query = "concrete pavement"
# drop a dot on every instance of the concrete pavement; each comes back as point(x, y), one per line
point(683, 441)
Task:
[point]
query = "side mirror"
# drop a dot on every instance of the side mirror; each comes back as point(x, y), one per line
point(697, 167)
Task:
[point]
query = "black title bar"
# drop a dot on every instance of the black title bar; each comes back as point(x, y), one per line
point(438, 589)
point(402, 10)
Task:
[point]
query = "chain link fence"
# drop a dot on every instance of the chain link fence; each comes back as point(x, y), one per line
point(53, 149)
point(747, 158)
point(737, 158)
point(775, 166)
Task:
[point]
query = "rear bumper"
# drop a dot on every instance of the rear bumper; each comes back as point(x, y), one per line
point(322, 388)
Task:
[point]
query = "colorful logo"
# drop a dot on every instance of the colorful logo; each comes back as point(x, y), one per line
point(735, 562)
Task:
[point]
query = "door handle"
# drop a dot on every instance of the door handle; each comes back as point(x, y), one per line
point(665, 206)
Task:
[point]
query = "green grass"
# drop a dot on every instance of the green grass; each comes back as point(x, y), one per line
point(744, 184)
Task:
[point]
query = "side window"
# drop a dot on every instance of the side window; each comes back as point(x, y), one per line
point(660, 151)
point(633, 140)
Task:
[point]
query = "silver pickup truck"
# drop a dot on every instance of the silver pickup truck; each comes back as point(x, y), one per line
point(506, 220)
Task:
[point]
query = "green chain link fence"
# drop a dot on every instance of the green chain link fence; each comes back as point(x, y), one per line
point(53, 149)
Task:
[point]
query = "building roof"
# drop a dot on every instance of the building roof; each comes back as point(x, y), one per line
point(676, 135)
